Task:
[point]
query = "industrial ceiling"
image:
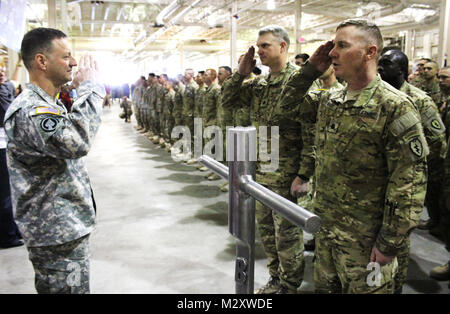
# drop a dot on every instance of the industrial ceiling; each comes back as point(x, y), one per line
point(136, 28)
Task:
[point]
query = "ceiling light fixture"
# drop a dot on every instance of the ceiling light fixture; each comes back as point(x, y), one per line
point(271, 5)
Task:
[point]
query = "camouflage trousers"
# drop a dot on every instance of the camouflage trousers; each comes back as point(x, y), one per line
point(282, 242)
point(347, 269)
point(62, 269)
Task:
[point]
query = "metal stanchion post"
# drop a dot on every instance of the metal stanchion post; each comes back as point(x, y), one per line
point(241, 157)
point(243, 190)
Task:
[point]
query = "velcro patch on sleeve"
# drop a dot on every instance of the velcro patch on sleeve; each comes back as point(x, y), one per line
point(48, 110)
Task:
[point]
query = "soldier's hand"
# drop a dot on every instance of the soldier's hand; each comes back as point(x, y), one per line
point(320, 58)
point(299, 187)
point(248, 62)
point(87, 70)
point(378, 257)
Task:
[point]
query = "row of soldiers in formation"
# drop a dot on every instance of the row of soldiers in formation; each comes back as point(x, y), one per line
point(286, 98)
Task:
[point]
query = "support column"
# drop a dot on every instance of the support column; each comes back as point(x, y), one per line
point(64, 16)
point(51, 13)
point(181, 49)
point(408, 44)
point(298, 25)
point(233, 36)
point(444, 33)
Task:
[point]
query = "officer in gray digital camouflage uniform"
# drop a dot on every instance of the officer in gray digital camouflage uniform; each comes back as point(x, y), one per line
point(52, 196)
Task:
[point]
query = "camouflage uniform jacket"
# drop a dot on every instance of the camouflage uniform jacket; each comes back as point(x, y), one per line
point(444, 106)
point(262, 95)
point(431, 88)
point(433, 126)
point(159, 102)
point(199, 101)
point(50, 186)
point(370, 171)
point(169, 100)
point(210, 104)
point(189, 99)
point(148, 95)
point(177, 111)
point(137, 95)
point(308, 116)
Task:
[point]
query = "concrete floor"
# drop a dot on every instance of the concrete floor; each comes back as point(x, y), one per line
point(162, 227)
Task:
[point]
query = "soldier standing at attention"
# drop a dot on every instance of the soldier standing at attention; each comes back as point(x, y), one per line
point(370, 169)
point(442, 272)
point(190, 90)
point(393, 68)
point(429, 83)
point(281, 239)
point(51, 192)
point(444, 98)
point(211, 101)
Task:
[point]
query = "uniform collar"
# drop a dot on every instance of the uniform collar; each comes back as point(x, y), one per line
point(364, 97)
point(281, 76)
point(43, 94)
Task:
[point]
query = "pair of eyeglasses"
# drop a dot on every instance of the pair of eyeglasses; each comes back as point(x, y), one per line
point(442, 77)
point(428, 68)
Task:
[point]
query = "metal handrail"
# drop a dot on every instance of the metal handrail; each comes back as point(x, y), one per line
point(243, 190)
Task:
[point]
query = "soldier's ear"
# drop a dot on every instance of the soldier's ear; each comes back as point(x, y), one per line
point(283, 47)
point(41, 61)
point(371, 52)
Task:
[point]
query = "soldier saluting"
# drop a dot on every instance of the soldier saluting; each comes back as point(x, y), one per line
point(369, 172)
point(51, 192)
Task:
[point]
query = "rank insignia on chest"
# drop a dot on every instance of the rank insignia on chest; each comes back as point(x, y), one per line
point(333, 126)
point(416, 147)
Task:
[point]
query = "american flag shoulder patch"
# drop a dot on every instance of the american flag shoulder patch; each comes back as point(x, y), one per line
point(48, 110)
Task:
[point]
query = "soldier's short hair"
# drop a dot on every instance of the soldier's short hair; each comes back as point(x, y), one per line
point(370, 29)
point(278, 32)
point(303, 56)
point(213, 72)
point(434, 63)
point(227, 68)
point(38, 40)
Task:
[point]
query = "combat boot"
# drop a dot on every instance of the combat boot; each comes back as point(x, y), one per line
point(271, 287)
point(224, 187)
point(441, 272)
point(213, 177)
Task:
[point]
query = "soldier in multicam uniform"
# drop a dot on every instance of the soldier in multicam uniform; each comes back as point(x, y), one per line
point(428, 80)
point(393, 68)
point(127, 111)
point(443, 102)
point(211, 101)
point(370, 169)
point(148, 96)
point(326, 83)
point(442, 272)
point(417, 80)
point(281, 239)
point(190, 90)
point(169, 120)
point(51, 192)
point(136, 99)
